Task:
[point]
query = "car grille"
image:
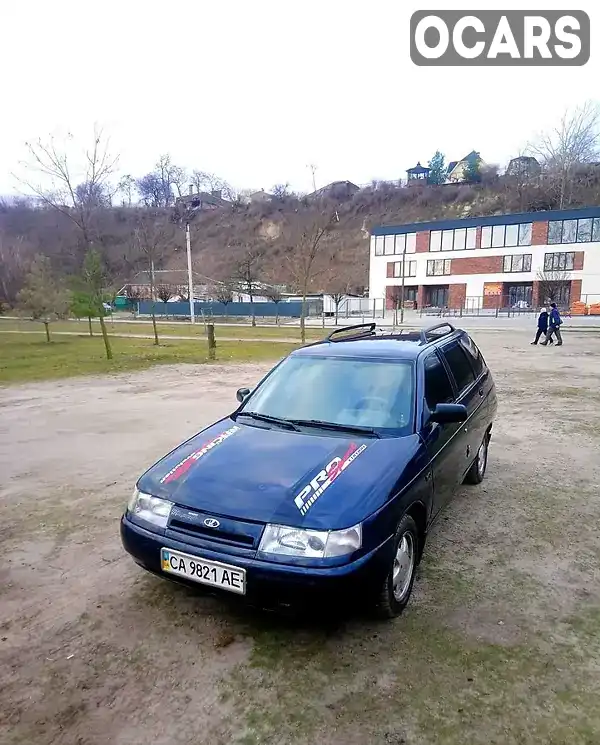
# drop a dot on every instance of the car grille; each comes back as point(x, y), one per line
point(232, 532)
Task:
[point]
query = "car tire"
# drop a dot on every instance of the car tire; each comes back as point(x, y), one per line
point(397, 586)
point(476, 473)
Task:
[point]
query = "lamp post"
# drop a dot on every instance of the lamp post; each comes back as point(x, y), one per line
point(189, 269)
point(402, 285)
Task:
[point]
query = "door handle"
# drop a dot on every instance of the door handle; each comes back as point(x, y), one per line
point(481, 391)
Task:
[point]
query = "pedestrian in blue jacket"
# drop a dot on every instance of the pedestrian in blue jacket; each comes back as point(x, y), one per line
point(554, 322)
point(542, 326)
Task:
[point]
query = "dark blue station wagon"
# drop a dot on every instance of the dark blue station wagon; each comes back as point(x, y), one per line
point(326, 479)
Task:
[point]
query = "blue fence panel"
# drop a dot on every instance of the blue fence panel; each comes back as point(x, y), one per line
point(284, 310)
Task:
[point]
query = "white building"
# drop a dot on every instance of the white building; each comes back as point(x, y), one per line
point(489, 262)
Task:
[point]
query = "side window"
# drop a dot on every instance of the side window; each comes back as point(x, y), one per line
point(473, 354)
point(459, 366)
point(438, 389)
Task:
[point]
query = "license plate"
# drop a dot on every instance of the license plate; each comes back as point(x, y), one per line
point(204, 571)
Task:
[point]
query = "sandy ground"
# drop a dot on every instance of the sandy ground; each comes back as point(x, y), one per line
point(499, 645)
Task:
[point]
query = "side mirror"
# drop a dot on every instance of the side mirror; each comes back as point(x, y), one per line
point(449, 414)
point(242, 394)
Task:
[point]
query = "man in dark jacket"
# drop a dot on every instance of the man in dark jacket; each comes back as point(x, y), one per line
point(542, 326)
point(555, 322)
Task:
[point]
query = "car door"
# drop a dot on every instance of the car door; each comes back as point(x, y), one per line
point(438, 438)
point(468, 393)
point(484, 412)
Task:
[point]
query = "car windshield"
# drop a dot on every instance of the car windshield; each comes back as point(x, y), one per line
point(376, 394)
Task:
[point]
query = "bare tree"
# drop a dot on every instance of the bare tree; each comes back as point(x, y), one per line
point(396, 297)
point(165, 293)
point(551, 285)
point(309, 252)
point(159, 187)
point(153, 236)
point(574, 141)
point(275, 296)
point(248, 271)
point(127, 187)
point(204, 181)
point(76, 194)
point(13, 265)
point(224, 294)
point(42, 296)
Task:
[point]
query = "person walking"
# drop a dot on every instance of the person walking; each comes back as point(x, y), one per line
point(542, 326)
point(554, 322)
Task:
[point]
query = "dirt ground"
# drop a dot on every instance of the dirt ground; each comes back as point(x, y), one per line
point(500, 644)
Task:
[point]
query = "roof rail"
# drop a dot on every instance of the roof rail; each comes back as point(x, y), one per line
point(424, 332)
point(364, 329)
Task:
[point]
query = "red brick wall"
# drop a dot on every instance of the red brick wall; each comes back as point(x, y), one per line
point(539, 234)
point(578, 262)
point(389, 269)
point(422, 242)
point(477, 265)
point(535, 298)
point(421, 296)
point(457, 295)
point(575, 290)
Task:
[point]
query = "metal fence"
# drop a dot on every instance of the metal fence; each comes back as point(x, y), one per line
point(505, 305)
point(215, 309)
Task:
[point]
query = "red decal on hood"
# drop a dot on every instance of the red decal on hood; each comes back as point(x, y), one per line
point(185, 465)
point(312, 491)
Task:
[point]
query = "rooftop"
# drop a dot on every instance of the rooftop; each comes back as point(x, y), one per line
point(473, 222)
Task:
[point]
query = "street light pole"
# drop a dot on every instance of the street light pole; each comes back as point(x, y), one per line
point(402, 285)
point(189, 268)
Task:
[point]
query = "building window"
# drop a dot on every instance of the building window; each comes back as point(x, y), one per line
point(499, 236)
point(525, 229)
point(388, 245)
point(559, 262)
point(378, 245)
point(411, 269)
point(452, 240)
point(406, 243)
point(584, 230)
point(517, 263)
point(439, 267)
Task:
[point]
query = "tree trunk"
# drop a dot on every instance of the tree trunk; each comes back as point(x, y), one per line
point(90, 325)
point(277, 315)
point(302, 318)
point(252, 310)
point(105, 338)
point(337, 308)
point(155, 330)
point(47, 327)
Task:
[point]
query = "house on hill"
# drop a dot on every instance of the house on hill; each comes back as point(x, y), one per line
point(335, 190)
point(202, 201)
point(457, 169)
point(524, 166)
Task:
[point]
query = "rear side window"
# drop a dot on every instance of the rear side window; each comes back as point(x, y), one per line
point(438, 389)
point(473, 354)
point(460, 367)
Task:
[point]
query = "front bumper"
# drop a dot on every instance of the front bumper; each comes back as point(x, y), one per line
point(270, 583)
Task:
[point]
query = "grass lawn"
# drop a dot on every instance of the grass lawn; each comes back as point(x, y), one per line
point(29, 357)
point(168, 329)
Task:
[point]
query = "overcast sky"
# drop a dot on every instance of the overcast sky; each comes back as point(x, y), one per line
point(256, 90)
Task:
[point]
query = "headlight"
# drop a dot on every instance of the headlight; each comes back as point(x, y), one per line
point(150, 509)
point(313, 544)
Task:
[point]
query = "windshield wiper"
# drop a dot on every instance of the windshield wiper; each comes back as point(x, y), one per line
point(333, 425)
point(270, 419)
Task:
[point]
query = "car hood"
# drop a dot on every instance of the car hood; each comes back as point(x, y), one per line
point(312, 479)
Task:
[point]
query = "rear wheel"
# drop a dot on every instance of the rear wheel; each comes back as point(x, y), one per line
point(476, 473)
point(398, 584)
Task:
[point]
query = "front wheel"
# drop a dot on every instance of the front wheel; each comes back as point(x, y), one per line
point(398, 584)
point(476, 473)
